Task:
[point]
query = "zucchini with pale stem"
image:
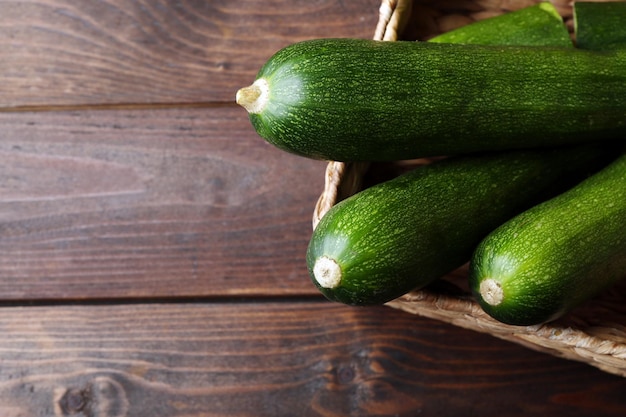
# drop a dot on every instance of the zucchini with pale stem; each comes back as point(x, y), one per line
point(543, 263)
point(550, 259)
point(402, 234)
point(363, 100)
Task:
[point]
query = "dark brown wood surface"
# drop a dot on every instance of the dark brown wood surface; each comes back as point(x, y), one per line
point(152, 246)
point(268, 358)
point(72, 52)
point(152, 202)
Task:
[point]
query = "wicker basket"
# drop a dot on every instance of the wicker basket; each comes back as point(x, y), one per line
point(594, 333)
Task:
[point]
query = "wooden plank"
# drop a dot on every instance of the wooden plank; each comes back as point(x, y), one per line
point(68, 52)
point(278, 359)
point(150, 203)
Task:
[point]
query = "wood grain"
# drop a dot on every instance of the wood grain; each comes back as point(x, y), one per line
point(145, 184)
point(150, 203)
point(72, 52)
point(277, 359)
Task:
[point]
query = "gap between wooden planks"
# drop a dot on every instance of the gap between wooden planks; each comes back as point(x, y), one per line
point(125, 51)
point(118, 106)
point(150, 203)
point(251, 358)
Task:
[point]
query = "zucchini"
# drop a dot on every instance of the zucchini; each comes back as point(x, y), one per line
point(403, 234)
point(537, 25)
point(363, 100)
point(600, 26)
point(549, 259)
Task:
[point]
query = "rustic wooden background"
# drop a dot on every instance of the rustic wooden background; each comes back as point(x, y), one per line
point(152, 246)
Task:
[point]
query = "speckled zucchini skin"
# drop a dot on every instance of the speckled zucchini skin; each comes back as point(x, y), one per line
point(600, 26)
point(364, 100)
point(558, 254)
point(403, 234)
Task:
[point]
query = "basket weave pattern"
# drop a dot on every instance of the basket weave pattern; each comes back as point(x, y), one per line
point(594, 333)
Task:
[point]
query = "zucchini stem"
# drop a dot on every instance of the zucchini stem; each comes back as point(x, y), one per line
point(327, 272)
point(254, 98)
point(491, 291)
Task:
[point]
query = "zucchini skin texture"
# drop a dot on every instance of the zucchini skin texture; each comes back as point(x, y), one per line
point(537, 25)
point(600, 26)
point(403, 234)
point(365, 100)
point(558, 254)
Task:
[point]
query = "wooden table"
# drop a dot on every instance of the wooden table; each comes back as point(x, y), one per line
point(152, 246)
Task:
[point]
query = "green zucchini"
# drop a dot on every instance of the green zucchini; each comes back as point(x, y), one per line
point(402, 234)
point(514, 279)
point(549, 259)
point(600, 26)
point(537, 25)
point(363, 100)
